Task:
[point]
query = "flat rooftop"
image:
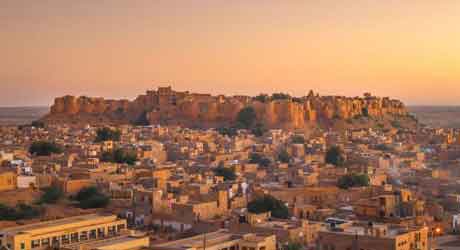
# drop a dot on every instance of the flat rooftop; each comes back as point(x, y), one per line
point(197, 241)
point(117, 241)
point(60, 223)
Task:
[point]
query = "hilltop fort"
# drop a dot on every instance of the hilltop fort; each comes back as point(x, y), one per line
point(169, 107)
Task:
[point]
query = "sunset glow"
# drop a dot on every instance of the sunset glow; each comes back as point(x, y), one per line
point(408, 50)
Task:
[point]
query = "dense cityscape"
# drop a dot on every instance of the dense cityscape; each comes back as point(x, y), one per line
point(82, 178)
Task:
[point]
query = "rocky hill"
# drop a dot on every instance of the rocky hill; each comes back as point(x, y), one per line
point(166, 106)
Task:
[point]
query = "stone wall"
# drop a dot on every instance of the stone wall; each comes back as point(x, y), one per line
point(165, 106)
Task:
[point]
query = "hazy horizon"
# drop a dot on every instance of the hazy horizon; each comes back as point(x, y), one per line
point(407, 50)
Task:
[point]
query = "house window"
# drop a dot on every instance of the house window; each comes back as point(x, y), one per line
point(74, 237)
point(83, 235)
point(35, 243)
point(92, 234)
point(55, 241)
point(65, 239)
point(120, 227)
point(46, 242)
point(23, 246)
point(100, 232)
point(111, 230)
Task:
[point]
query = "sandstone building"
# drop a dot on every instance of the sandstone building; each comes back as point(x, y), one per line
point(166, 106)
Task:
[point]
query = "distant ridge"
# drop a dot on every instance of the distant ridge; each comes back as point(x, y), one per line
point(437, 116)
point(21, 115)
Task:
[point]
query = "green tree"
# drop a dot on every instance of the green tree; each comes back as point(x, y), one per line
point(259, 129)
point(269, 203)
point(227, 173)
point(246, 118)
point(51, 195)
point(107, 134)
point(280, 96)
point(44, 148)
point(365, 112)
point(284, 156)
point(228, 131)
point(262, 98)
point(292, 246)
point(256, 158)
point(90, 197)
point(353, 180)
point(297, 139)
point(335, 156)
point(119, 155)
point(20, 212)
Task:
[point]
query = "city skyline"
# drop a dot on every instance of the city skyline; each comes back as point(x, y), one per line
point(118, 49)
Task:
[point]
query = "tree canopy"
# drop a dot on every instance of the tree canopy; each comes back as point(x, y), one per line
point(44, 148)
point(227, 173)
point(256, 158)
point(297, 139)
point(262, 98)
point(90, 197)
point(246, 118)
point(20, 212)
point(107, 134)
point(259, 129)
point(269, 203)
point(280, 96)
point(284, 156)
point(51, 195)
point(353, 180)
point(335, 156)
point(293, 246)
point(228, 131)
point(119, 155)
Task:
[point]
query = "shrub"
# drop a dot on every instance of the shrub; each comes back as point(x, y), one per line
point(90, 197)
point(227, 173)
point(107, 134)
point(259, 129)
point(246, 118)
point(119, 156)
point(256, 158)
point(297, 139)
point(353, 180)
point(262, 98)
point(335, 156)
point(228, 131)
point(51, 195)
point(292, 246)
point(269, 203)
point(284, 157)
point(44, 148)
point(20, 212)
point(280, 96)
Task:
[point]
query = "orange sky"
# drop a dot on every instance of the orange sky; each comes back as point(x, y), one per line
point(406, 49)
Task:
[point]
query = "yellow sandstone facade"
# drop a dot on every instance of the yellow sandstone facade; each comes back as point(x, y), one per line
point(8, 180)
point(62, 232)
